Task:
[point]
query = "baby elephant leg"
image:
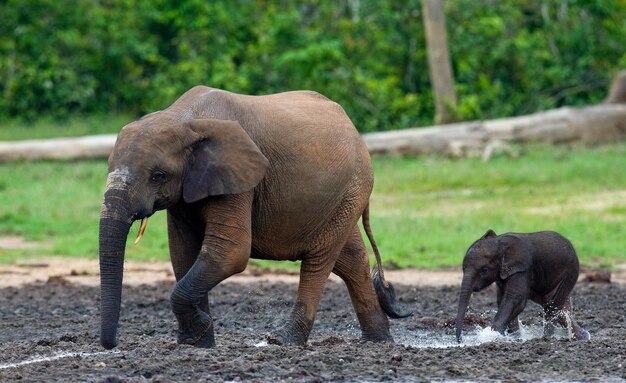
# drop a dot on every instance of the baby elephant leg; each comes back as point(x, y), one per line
point(513, 327)
point(561, 314)
point(564, 318)
point(558, 309)
point(512, 301)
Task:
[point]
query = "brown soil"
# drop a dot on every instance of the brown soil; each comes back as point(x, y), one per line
point(49, 332)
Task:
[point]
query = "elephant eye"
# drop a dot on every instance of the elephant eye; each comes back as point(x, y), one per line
point(157, 176)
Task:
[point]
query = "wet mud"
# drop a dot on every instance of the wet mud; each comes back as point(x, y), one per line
point(49, 332)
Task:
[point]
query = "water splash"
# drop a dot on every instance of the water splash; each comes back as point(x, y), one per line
point(475, 337)
point(262, 343)
point(570, 327)
point(434, 339)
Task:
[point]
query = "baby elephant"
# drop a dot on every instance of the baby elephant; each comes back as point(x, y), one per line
point(539, 266)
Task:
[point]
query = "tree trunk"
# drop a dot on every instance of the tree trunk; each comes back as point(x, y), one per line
point(439, 61)
point(617, 94)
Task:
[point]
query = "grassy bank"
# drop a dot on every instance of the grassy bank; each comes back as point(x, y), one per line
point(12, 130)
point(425, 211)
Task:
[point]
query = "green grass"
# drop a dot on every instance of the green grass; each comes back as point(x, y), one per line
point(425, 211)
point(74, 126)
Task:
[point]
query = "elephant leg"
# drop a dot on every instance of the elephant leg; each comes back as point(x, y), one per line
point(564, 318)
point(551, 318)
point(513, 300)
point(578, 332)
point(185, 243)
point(353, 268)
point(513, 325)
point(314, 272)
point(558, 309)
point(225, 251)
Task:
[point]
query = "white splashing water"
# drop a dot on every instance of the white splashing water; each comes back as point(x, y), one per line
point(475, 337)
point(64, 355)
point(478, 336)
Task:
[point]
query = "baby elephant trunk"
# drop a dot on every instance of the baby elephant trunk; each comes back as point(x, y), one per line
point(466, 293)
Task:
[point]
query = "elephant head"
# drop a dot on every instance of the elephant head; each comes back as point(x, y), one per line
point(490, 258)
point(157, 162)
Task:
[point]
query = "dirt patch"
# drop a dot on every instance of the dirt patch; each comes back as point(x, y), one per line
point(87, 271)
point(17, 243)
point(81, 271)
point(49, 332)
point(602, 201)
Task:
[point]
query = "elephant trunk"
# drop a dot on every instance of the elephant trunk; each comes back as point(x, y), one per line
point(464, 297)
point(115, 222)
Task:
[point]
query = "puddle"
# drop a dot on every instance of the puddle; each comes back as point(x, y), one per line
point(42, 359)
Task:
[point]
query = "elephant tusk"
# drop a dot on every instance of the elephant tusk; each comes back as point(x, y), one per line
point(142, 228)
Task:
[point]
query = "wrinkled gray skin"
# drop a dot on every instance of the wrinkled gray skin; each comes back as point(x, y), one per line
point(281, 177)
point(542, 267)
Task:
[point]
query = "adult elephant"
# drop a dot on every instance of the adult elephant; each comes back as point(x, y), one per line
point(281, 177)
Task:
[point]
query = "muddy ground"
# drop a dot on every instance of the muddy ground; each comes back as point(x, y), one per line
point(49, 332)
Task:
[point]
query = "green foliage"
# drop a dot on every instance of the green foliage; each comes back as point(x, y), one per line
point(424, 211)
point(517, 57)
point(58, 57)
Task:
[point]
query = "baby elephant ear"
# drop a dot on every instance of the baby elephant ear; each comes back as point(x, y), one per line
point(489, 234)
point(516, 257)
point(224, 160)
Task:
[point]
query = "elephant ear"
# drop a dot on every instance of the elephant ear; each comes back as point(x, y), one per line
point(516, 257)
point(489, 234)
point(224, 160)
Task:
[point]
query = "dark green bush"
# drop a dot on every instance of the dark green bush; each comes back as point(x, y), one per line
point(59, 57)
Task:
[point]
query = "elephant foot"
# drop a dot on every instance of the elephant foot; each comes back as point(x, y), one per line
point(387, 339)
point(197, 330)
point(284, 338)
point(499, 328)
point(379, 336)
point(512, 329)
point(582, 334)
point(515, 334)
point(296, 331)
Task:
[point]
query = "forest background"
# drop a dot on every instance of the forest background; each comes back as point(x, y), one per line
point(61, 58)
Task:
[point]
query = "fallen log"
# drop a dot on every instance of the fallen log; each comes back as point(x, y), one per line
point(587, 125)
point(88, 147)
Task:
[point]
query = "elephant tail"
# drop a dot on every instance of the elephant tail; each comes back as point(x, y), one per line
point(384, 290)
